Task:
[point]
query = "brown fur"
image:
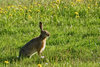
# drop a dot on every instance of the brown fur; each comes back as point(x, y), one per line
point(42, 46)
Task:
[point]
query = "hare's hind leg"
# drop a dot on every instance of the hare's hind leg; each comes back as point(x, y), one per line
point(19, 55)
point(32, 55)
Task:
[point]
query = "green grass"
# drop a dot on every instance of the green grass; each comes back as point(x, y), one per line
point(74, 38)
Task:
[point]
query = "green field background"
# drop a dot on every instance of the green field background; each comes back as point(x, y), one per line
point(74, 27)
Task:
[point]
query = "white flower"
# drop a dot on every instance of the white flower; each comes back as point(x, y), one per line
point(46, 63)
point(42, 57)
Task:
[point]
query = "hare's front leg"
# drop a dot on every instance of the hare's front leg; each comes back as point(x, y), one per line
point(39, 53)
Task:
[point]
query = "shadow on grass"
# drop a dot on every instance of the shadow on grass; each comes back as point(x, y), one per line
point(13, 59)
point(9, 59)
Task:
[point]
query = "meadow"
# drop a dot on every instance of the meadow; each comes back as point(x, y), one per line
point(74, 27)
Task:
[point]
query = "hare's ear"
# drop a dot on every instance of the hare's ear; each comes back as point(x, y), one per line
point(41, 26)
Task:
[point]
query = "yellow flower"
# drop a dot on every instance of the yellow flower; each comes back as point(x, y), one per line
point(1, 12)
point(20, 14)
point(96, 4)
point(29, 10)
point(10, 15)
point(6, 62)
point(29, 17)
point(38, 10)
point(20, 5)
point(35, 3)
point(78, 0)
point(12, 6)
point(21, 9)
point(72, 3)
point(5, 12)
point(58, 1)
point(76, 13)
point(65, 7)
point(77, 16)
point(39, 65)
point(39, 5)
point(1, 8)
point(31, 6)
point(88, 7)
point(14, 10)
point(90, 0)
point(8, 7)
point(25, 7)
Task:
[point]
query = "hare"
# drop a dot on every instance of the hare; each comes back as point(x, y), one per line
point(35, 45)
